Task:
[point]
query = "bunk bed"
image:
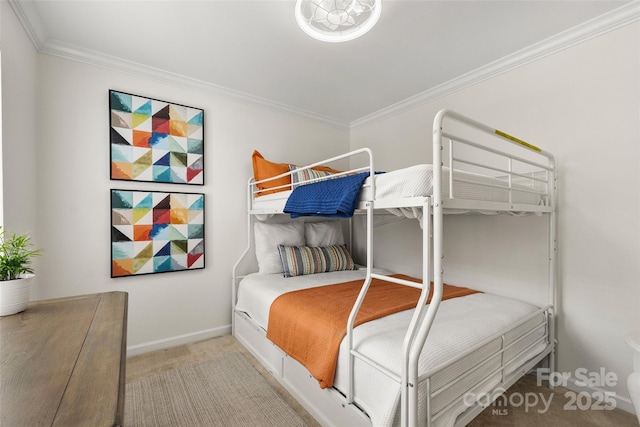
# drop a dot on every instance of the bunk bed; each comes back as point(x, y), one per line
point(411, 367)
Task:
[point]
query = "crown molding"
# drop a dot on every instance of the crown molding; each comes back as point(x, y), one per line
point(30, 20)
point(610, 21)
point(32, 24)
point(100, 59)
point(605, 23)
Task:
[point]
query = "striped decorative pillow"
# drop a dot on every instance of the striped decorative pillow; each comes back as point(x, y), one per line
point(301, 177)
point(300, 260)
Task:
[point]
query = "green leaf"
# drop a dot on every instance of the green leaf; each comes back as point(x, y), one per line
point(16, 254)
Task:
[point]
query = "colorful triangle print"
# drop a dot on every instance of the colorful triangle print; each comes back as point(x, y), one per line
point(156, 232)
point(161, 128)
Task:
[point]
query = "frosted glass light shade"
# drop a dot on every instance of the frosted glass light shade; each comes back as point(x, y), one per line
point(337, 20)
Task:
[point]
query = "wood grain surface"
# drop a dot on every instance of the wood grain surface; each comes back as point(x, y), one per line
point(62, 362)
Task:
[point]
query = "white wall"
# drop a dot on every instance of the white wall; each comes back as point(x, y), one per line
point(19, 100)
point(72, 198)
point(581, 104)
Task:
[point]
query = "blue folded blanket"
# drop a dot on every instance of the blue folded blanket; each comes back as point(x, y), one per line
point(336, 197)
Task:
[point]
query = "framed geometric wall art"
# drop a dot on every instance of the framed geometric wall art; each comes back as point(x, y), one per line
point(155, 141)
point(156, 232)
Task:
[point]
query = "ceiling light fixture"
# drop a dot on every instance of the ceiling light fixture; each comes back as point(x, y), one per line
point(337, 20)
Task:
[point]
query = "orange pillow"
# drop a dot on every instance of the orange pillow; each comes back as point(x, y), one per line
point(263, 169)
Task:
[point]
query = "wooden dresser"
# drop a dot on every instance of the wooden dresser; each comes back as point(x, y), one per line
point(62, 362)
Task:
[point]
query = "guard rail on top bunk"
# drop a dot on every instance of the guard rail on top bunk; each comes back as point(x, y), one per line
point(254, 191)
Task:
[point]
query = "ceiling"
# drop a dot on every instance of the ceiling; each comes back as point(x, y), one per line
point(255, 50)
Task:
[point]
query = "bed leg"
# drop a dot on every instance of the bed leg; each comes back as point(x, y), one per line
point(552, 363)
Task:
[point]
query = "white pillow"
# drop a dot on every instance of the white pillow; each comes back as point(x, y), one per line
point(320, 234)
point(268, 237)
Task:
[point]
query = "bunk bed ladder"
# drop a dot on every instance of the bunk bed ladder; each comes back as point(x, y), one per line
point(422, 320)
point(420, 323)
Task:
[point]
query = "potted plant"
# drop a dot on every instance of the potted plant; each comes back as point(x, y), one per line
point(16, 254)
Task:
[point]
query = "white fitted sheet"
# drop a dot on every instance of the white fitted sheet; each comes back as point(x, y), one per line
point(461, 323)
point(417, 181)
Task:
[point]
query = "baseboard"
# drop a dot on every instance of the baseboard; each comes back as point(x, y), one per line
point(177, 340)
point(622, 403)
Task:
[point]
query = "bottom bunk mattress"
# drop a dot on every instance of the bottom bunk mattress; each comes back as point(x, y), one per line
point(475, 344)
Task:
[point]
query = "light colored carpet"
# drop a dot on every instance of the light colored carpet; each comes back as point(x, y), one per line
point(225, 391)
point(156, 364)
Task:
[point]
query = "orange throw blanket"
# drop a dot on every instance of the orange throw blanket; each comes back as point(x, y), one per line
point(309, 324)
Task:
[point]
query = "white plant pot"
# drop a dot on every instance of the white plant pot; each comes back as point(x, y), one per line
point(14, 295)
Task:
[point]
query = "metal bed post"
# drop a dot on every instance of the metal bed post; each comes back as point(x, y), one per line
point(367, 280)
point(409, 378)
point(359, 300)
point(234, 275)
point(437, 256)
point(553, 253)
point(432, 255)
point(425, 314)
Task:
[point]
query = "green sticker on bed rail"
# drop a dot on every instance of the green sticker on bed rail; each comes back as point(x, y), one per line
point(519, 141)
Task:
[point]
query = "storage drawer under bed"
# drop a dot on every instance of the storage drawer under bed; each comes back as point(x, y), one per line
point(253, 338)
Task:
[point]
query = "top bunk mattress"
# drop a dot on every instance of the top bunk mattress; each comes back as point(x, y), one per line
point(417, 182)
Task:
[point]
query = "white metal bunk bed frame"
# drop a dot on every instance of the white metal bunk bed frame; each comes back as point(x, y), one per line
point(434, 208)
